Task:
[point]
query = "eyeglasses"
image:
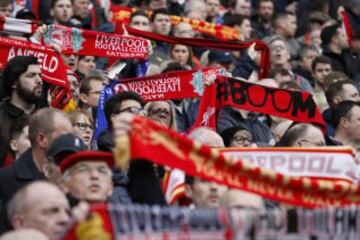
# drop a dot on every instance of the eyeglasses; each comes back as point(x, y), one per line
point(242, 140)
point(133, 110)
point(159, 111)
point(83, 126)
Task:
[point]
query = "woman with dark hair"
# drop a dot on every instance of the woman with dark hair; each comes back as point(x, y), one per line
point(182, 54)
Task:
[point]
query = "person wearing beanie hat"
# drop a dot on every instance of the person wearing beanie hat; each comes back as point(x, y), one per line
point(237, 136)
point(87, 175)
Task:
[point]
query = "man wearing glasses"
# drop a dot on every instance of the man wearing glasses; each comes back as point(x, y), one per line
point(129, 102)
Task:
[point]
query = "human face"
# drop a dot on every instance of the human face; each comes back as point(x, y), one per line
point(212, 7)
point(184, 30)
point(6, 10)
point(62, 11)
point(86, 64)
point(141, 23)
point(96, 87)
point(246, 29)
point(312, 138)
point(266, 10)
point(279, 53)
point(81, 8)
point(90, 181)
point(353, 125)
point(315, 37)
point(162, 24)
point(320, 72)
point(47, 210)
point(243, 7)
point(70, 60)
point(291, 25)
point(84, 129)
point(130, 106)
point(241, 138)
point(30, 84)
point(350, 92)
point(206, 194)
point(162, 111)
point(181, 54)
point(74, 86)
point(308, 58)
point(21, 143)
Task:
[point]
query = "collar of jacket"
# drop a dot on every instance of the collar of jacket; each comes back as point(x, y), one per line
point(25, 167)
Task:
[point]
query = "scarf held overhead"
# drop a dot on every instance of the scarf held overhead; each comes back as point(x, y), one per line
point(294, 105)
point(50, 62)
point(85, 42)
point(122, 15)
point(165, 147)
point(264, 65)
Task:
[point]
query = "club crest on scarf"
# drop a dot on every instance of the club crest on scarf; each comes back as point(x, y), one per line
point(206, 117)
point(197, 82)
point(200, 77)
point(66, 38)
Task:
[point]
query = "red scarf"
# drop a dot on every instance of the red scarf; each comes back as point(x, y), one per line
point(347, 26)
point(85, 42)
point(173, 85)
point(53, 70)
point(213, 44)
point(294, 105)
point(162, 146)
point(221, 32)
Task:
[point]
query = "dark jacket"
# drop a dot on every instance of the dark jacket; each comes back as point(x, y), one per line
point(105, 141)
point(329, 127)
point(344, 62)
point(229, 117)
point(244, 66)
point(8, 114)
point(12, 178)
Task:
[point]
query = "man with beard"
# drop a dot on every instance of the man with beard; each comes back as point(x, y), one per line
point(263, 23)
point(24, 87)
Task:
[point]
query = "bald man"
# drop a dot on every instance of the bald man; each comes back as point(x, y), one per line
point(204, 193)
point(41, 206)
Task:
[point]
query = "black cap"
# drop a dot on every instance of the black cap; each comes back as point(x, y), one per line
point(219, 56)
point(25, 14)
point(63, 146)
point(229, 133)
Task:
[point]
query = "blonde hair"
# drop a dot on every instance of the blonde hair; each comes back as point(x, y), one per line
point(173, 124)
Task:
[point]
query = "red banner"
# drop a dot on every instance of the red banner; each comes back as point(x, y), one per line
point(162, 146)
point(264, 65)
point(294, 105)
point(122, 15)
point(85, 42)
point(51, 64)
point(174, 85)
